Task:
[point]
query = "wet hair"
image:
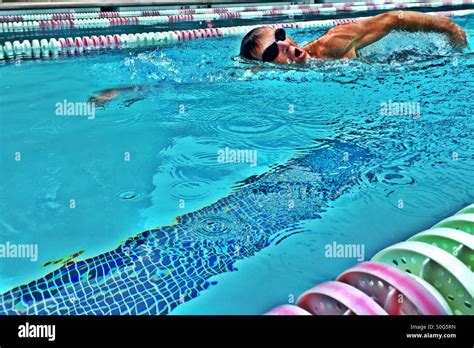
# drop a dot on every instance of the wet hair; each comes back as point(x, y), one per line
point(250, 43)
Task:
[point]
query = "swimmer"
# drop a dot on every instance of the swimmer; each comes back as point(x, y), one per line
point(340, 42)
point(343, 41)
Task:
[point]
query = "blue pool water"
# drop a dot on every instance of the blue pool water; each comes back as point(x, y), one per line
point(332, 165)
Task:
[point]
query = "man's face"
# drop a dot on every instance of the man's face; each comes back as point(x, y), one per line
point(289, 51)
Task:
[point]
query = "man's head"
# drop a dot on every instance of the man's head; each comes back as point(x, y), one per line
point(271, 45)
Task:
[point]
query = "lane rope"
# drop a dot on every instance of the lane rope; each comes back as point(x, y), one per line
point(431, 272)
point(66, 21)
point(69, 46)
point(74, 14)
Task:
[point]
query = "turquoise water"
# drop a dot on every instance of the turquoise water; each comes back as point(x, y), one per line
point(195, 99)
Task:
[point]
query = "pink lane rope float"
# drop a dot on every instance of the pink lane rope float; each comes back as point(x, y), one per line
point(430, 274)
point(75, 46)
point(336, 298)
point(395, 291)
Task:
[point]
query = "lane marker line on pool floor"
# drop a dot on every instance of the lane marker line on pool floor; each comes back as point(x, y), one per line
point(431, 272)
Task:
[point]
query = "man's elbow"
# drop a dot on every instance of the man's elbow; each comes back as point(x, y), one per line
point(393, 20)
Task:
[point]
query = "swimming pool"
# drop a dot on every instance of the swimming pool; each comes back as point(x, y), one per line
point(247, 171)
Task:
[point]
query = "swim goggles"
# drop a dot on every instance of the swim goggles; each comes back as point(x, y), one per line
point(272, 51)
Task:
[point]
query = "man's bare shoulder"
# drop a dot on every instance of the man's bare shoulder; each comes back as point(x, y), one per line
point(335, 43)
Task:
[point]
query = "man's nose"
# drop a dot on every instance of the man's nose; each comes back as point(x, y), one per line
point(283, 45)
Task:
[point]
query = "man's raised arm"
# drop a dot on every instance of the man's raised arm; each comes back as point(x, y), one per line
point(343, 41)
